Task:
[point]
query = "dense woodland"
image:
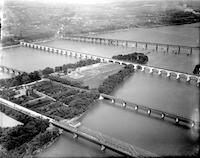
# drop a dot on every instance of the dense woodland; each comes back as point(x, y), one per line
point(114, 80)
point(25, 138)
point(139, 58)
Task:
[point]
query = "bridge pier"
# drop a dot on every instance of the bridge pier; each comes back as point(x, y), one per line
point(103, 148)
point(156, 47)
point(188, 78)
point(151, 70)
point(136, 108)
point(101, 97)
point(124, 104)
point(168, 74)
point(142, 68)
point(75, 136)
point(198, 81)
point(178, 76)
point(146, 46)
point(179, 49)
point(193, 124)
point(177, 120)
point(149, 112)
point(167, 48)
point(190, 51)
point(159, 72)
point(162, 116)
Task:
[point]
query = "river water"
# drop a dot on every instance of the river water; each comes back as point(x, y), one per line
point(161, 93)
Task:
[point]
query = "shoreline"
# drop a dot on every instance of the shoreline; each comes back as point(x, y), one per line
point(136, 27)
point(45, 146)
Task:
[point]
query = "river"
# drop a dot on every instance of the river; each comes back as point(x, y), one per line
point(161, 93)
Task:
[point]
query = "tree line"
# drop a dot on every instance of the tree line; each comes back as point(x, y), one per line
point(23, 78)
point(110, 83)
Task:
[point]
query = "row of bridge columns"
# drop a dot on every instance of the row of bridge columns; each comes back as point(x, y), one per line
point(152, 70)
point(145, 45)
point(65, 52)
point(150, 111)
point(178, 75)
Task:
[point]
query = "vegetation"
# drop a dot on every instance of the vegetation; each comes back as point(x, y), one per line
point(23, 133)
point(80, 64)
point(37, 143)
point(20, 79)
point(139, 58)
point(47, 71)
point(67, 82)
point(114, 80)
point(30, 136)
point(70, 102)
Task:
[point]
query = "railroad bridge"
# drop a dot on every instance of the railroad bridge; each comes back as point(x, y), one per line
point(134, 44)
point(146, 68)
point(10, 70)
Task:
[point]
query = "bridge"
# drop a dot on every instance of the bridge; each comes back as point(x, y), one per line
point(134, 44)
point(10, 70)
point(177, 119)
point(146, 68)
point(85, 133)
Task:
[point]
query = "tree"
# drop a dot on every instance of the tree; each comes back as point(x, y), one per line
point(47, 71)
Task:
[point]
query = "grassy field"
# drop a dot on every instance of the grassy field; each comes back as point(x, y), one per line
point(94, 75)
